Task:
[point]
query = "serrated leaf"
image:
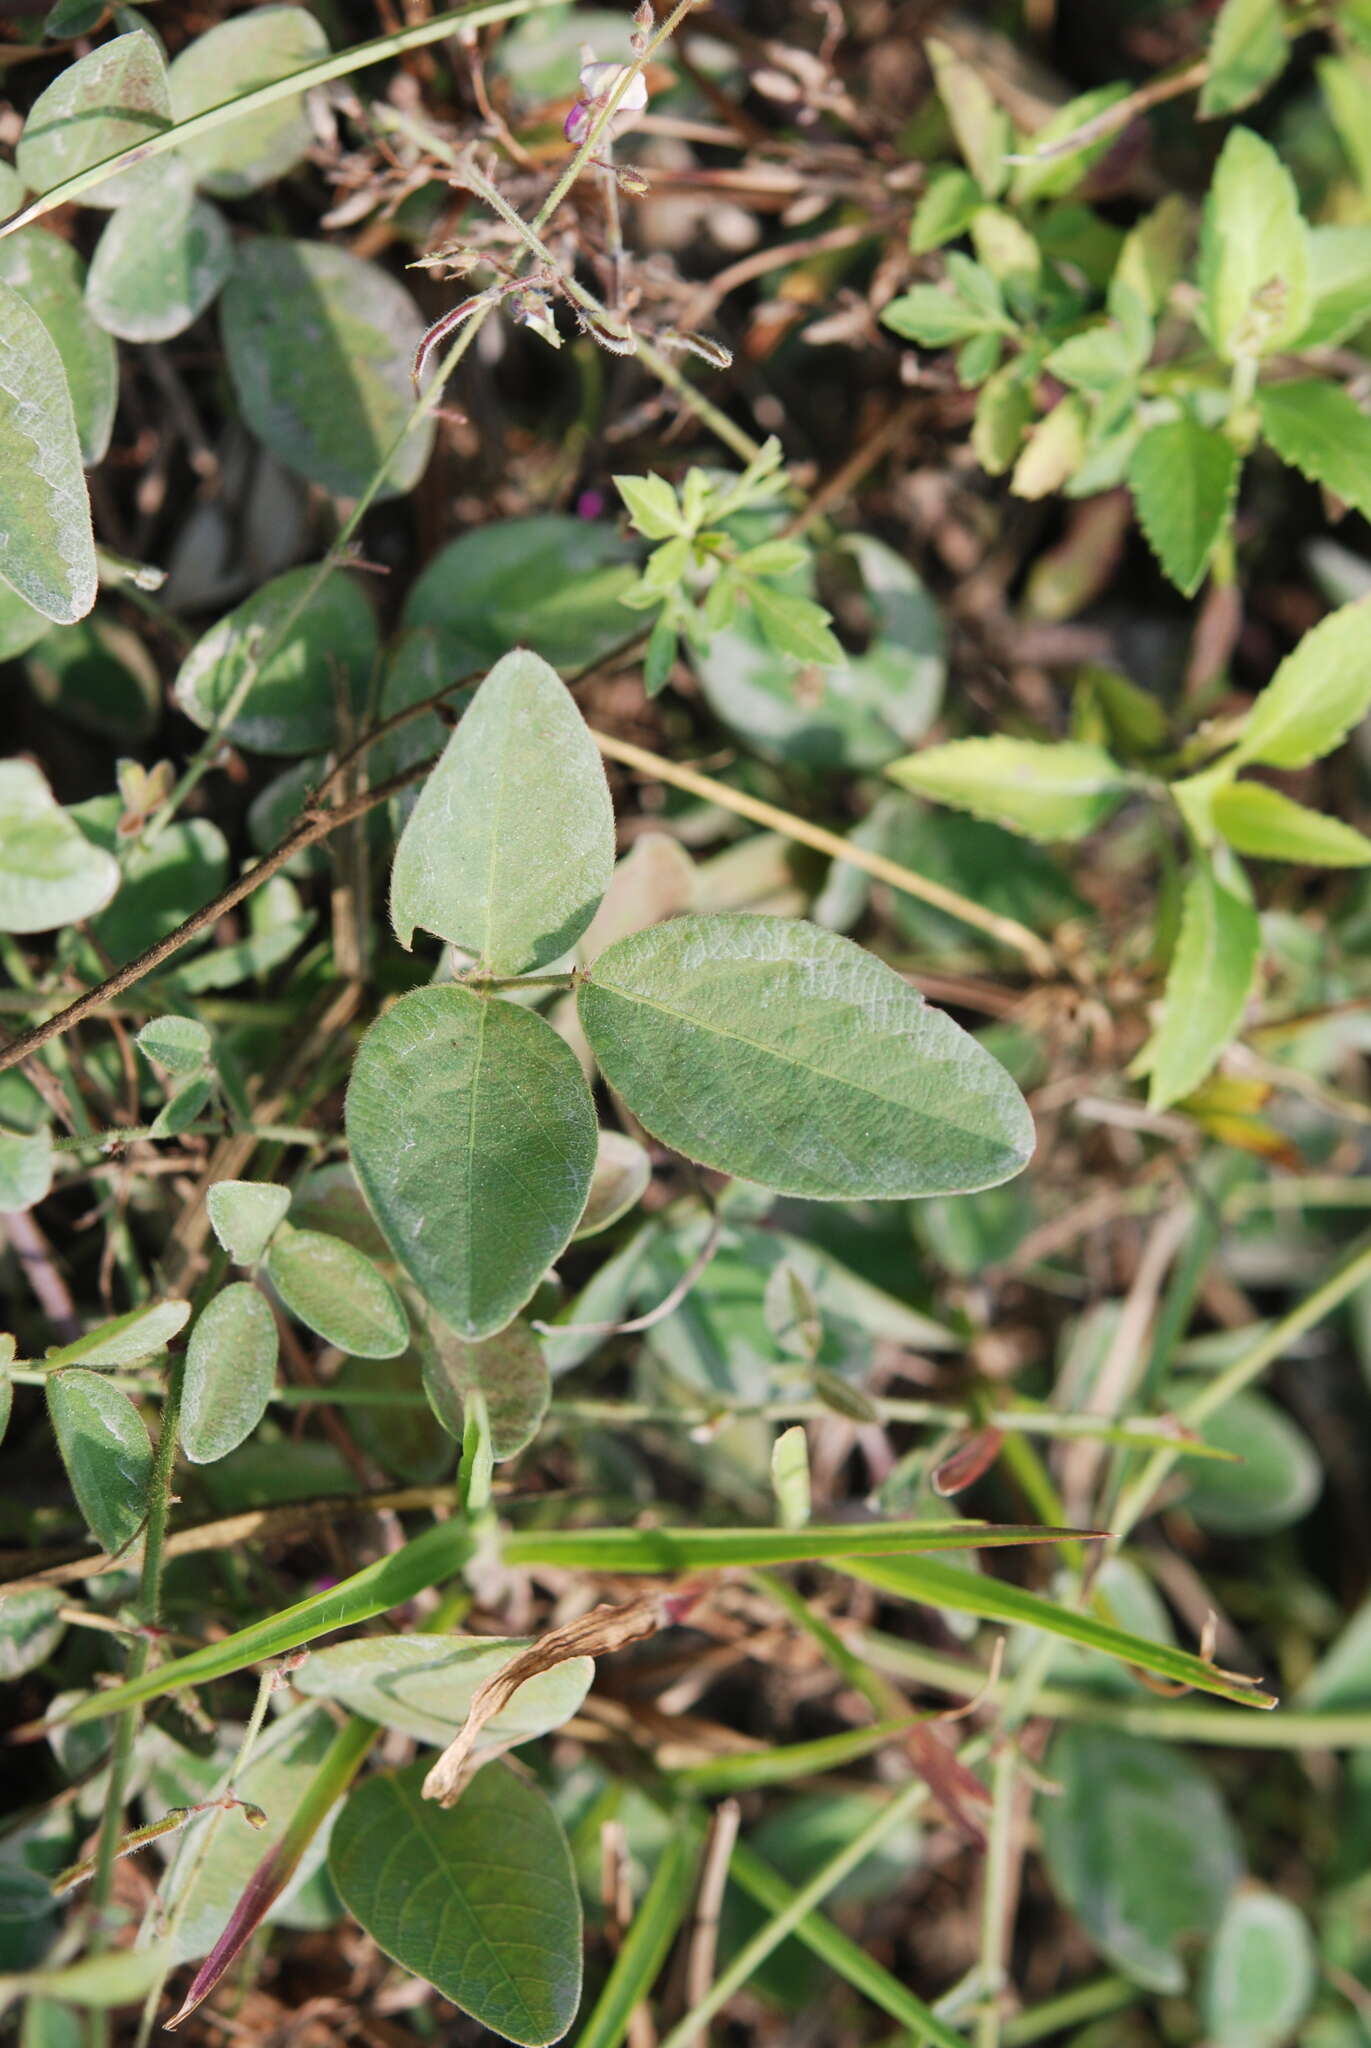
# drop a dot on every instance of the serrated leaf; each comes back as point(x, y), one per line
point(160, 261)
point(49, 276)
point(1060, 174)
point(106, 1452)
point(1319, 692)
point(25, 1168)
point(473, 1136)
point(50, 874)
point(1339, 284)
point(480, 1899)
point(1260, 1974)
point(623, 1172)
point(1210, 978)
point(243, 1215)
point(1053, 451)
point(508, 1371)
point(1183, 478)
point(108, 101)
point(47, 546)
point(794, 625)
point(1247, 49)
point(291, 706)
point(982, 127)
point(319, 345)
point(1268, 825)
point(180, 1044)
point(945, 211)
point(767, 1048)
point(651, 505)
point(1254, 256)
point(511, 845)
point(230, 59)
point(1140, 1846)
point(129, 1339)
point(423, 1686)
point(336, 1291)
point(1046, 790)
point(230, 1372)
point(1320, 430)
point(935, 318)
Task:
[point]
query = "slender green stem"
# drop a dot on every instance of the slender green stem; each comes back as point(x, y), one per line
point(149, 1607)
point(1049, 2021)
point(1163, 1720)
point(1138, 1497)
point(755, 1952)
point(134, 1134)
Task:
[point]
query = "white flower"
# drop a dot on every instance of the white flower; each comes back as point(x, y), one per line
point(597, 86)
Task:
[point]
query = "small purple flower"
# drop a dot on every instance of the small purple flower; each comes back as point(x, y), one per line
point(598, 83)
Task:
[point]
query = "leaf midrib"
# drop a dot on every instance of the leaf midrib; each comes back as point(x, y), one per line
point(785, 1059)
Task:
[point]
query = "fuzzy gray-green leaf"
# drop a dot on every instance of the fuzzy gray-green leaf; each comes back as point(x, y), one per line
point(105, 1448)
point(768, 1048)
point(230, 1370)
point(47, 547)
point(473, 1136)
point(480, 1899)
point(336, 1291)
point(511, 844)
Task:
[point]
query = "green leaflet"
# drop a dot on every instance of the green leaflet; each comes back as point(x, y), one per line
point(180, 1044)
point(508, 1371)
point(767, 1048)
point(112, 99)
point(511, 844)
point(1207, 987)
point(336, 1291)
point(1247, 49)
point(50, 276)
point(319, 344)
point(473, 1137)
point(159, 263)
point(1339, 282)
point(230, 1371)
point(1319, 692)
point(129, 1339)
point(25, 1176)
point(623, 1171)
point(480, 1899)
point(423, 1686)
point(105, 1448)
point(1254, 255)
point(1276, 1482)
point(1260, 1974)
point(282, 1768)
point(31, 1627)
point(291, 704)
point(244, 1214)
point(1060, 790)
point(235, 57)
point(47, 547)
point(1184, 478)
point(1320, 430)
point(1269, 825)
point(50, 874)
point(1139, 1846)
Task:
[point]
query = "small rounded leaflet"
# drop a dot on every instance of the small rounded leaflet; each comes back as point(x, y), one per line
point(230, 1372)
